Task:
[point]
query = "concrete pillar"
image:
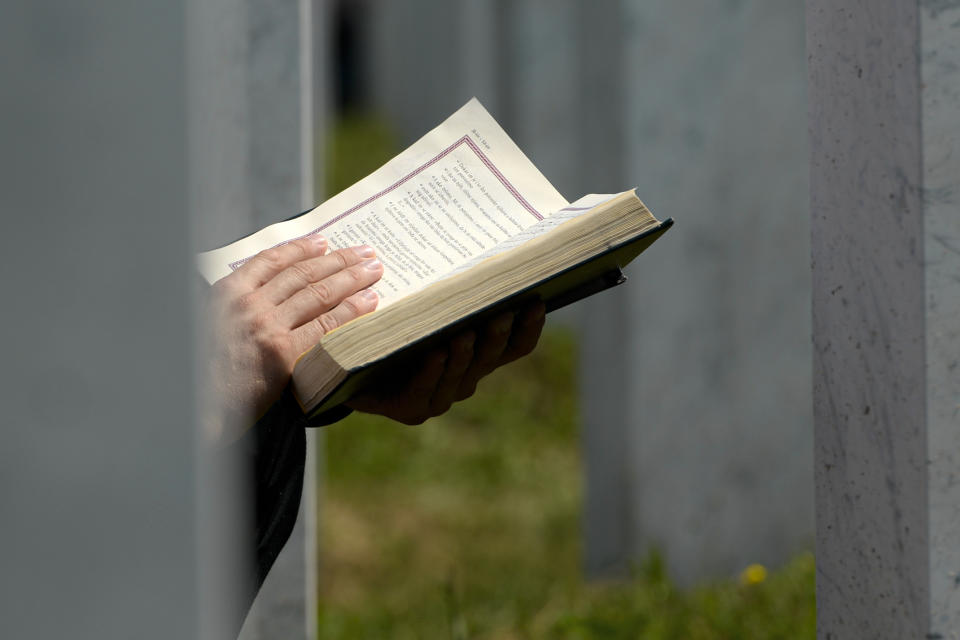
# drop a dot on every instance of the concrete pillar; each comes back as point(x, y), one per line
point(480, 42)
point(541, 44)
point(416, 63)
point(253, 148)
point(885, 178)
point(601, 98)
point(696, 381)
point(253, 166)
point(97, 478)
point(519, 58)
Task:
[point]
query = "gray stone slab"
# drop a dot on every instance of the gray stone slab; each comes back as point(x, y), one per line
point(543, 116)
point(97, 476)
point(604, 362)
point(710, 336)
point(245, 69)
point(940, 126)
point(416, 63)
point(884, 93)
point(480, 40)
point(868, 320)
point(253, 145)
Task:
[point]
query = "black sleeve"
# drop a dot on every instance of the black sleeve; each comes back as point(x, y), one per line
point(278, 470)
point(275, 452)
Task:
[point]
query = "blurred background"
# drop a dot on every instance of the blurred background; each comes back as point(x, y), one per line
point(648, 471)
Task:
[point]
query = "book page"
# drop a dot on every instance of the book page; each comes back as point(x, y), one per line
point(569, 212)
point(461, 190)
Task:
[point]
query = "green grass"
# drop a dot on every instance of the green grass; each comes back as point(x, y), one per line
point(469, 526)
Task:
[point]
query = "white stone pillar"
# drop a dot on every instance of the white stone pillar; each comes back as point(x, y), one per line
point(696, 383)
point(604, 383)
point(480, 42)
point(885, 203)
point(416, 63)
point(253, 150)
point(541, 47)
point(97, 478)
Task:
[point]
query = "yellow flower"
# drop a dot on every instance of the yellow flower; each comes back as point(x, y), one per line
point(754, 574)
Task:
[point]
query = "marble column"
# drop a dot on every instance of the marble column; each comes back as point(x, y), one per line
point(254, 136)
point(542, 44)
point(98, 516)
point(603, 382)
point(884, 86)
point(481, 71)
point(416, 63)
point(696, 380)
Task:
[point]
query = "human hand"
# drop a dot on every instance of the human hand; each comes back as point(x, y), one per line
point(265, 314)
point(450, 374)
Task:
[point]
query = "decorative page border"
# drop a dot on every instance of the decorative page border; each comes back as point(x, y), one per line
point(464, 140)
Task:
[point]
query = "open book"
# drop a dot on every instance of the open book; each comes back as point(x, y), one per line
point(466, 227)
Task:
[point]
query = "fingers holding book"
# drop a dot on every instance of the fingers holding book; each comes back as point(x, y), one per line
point(349, 308)
point(267, 312)
point(492, 344)
point(267, 264)
point(506, 338)
point(450, 374)
point(525, 333)
point(308, 272)
point(312, 306)
point(460, 358)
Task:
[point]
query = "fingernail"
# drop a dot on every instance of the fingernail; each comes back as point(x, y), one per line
point(319, 240)
point(369, 294)
point(372, 265)
point(365, 251)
